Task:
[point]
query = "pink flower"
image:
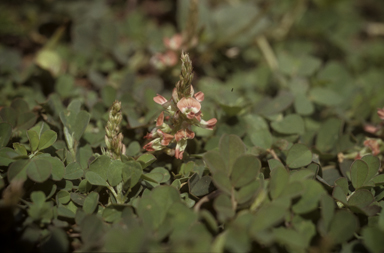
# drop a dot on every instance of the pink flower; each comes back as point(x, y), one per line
point(165, 138)
point(373, 146)
point(160, 99)
point(153, 145)
point(184, 134)
point(189, 106)
point(174, 42)
point(151, 135)
point(210, 124)
point(371, 129)
point(199, 96)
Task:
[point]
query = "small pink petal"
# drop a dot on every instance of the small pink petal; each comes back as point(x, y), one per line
point(210, 124)
point(160, 99)
point(179, 154)
point(199, 96)
point(148, 147)
point(160, 119)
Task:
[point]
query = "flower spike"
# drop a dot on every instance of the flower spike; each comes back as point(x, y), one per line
point(184, 110)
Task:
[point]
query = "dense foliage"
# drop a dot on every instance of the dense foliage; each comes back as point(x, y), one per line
point(288, 158)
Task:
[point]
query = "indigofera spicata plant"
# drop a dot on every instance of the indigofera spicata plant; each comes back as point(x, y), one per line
point(182, 111)
point(288, 156)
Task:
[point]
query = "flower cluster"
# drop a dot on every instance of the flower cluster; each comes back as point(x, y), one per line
point(184, 110)
point(113, 137)
point(168, 58)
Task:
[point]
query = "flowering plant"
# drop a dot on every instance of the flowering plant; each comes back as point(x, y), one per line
point(184, 110)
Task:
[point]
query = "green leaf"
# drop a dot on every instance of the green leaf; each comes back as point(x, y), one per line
point(258, 131)
point(146, 160)
point(47, 139)
point(77, 198)
point(38, 198)
point(223, 207)
point(310, 198)
point(73, 171)
point(379, 179)
point(280, 103)
point(92, 229)
point(215, 162)
point(359, 173)
point(20, 105)
point(343, 225)
point(165, 196)
point(81, 123)
point(373, 163)
point(298, 156)
point(8, 115)
point(18, 170)
point(133, 148)
point(91, 202)
point(325, 96)
point(150, 212)
point(85, 186)
point(26, 120)
point(361, 198)
point(274, 164)
point(267, 216)
point(5, 134)
point(58, 169)
point(291, 124)
point(114, 173)
point(222, 182)
point(343, 183)
point(33, 139)
point(132, 172)
point(63, 197)
point(7, 156)
point(278, 182)
point(245, 169)
point(328, 134)
point(327, 210)
point(303, 105)
point(231, 147)
point(199, 186)
point(95, 179)
point(247, 192)
point(338, 194)
point(20, 149)
point(373, 239)
point(100, 166)
point(39, 170)
point(57, 242)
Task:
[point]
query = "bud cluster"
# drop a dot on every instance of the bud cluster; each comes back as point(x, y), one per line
point(184, 110)
point(113, 137)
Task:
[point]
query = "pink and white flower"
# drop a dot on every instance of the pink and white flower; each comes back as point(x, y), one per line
point(165, 138)
point(153, 145)
point(189, 107)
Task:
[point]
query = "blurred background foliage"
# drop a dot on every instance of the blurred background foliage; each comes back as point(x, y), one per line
point(274, 73)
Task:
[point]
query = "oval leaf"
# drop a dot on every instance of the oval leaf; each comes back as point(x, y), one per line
point(298, 156)
point(245, 169)
point(47, 139)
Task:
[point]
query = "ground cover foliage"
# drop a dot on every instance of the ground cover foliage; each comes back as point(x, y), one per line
point(293, 164)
